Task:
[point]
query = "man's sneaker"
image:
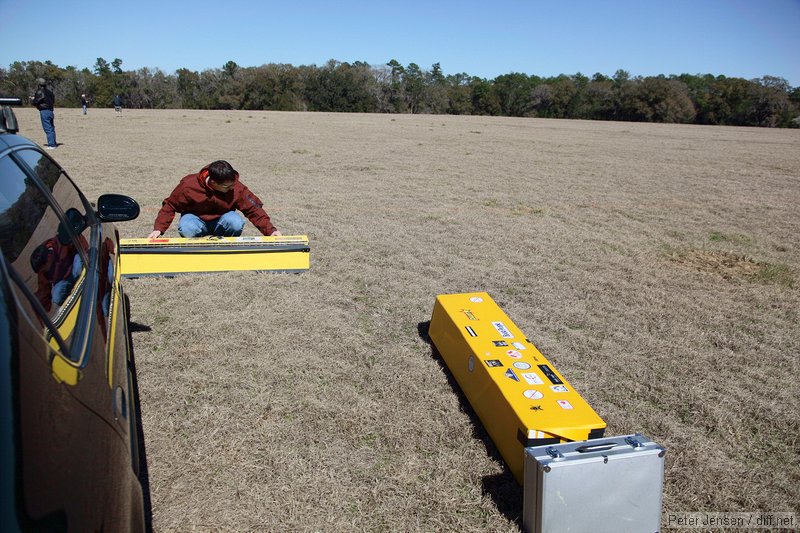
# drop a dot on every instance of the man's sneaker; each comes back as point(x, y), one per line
point(48, 147)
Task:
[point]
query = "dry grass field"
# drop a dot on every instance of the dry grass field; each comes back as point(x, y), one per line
point(656, 266)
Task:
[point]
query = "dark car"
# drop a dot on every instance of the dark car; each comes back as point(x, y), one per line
point(72, 452)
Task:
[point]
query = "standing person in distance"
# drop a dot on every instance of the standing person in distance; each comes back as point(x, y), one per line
point(45, 100)
point(84, 103)
point(207, 202)
point(118, 104)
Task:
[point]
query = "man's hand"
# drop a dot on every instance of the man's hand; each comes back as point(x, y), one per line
point(154, 235)
point(276, 233)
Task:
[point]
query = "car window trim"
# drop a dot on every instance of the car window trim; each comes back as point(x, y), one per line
point(84, 330)
point(33, 301)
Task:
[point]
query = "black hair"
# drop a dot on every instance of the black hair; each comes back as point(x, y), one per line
point(221, 171)
point(39, 257)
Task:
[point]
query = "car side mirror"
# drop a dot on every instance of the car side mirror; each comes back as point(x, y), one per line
point(116, 208)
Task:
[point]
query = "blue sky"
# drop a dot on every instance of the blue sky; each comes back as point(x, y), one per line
point(735, 38)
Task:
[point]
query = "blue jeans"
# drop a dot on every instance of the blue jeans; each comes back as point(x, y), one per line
point(48, 125)
point(62, 289)
point(228, 225)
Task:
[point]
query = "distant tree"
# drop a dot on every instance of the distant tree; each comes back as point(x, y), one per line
point(775, 82)
point(770, 104)
point(577, 107)
point(435, 99)
point(459, 94)
point(657, 99)
point(794, 96)
point(600, 99)
point(74, 83)
point(229, 90)
point(230, 69)
point(19, 81)
point(101, 67)
point(414, 88)
point(152, 90)
point(276, 87)
point(188, 87)
point(698, 87)
point(380, 85)
point(485, 100)
point(729, 101)
point(564, 97)
point(513, 93)
point(104, 87)
point(794, 101)
point(340, 87)
point(622, 79)
point(395, 97)
point(542, 99)
point(212, 85)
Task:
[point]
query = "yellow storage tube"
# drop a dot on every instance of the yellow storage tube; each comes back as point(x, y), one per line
point(171, 256)
point(521, 399)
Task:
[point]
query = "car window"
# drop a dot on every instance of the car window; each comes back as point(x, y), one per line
point(53, 178)
point(36, 242)
point(73, 204)
point(21, 208)
point(47, 171)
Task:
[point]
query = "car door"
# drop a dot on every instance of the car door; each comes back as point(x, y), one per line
point(74, 420)
point(98, 343)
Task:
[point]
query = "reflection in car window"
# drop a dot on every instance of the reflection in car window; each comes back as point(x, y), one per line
point(47, 171)
point(52, 177)
point(21, 208)
point(72, 203)
point(58, 263)
point(37, 245)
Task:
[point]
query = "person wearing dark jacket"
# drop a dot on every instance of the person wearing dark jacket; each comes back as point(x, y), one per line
point(207, 202)
point(44, 100)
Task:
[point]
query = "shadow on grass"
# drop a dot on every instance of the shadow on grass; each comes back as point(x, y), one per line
point(502, 488)
point(135, 327)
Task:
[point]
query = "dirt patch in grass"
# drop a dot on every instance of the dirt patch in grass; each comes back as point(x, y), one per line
point(726, 264)
point(734, 266)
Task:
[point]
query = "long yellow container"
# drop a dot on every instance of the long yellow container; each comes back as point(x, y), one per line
point(171, 256)
point(518, 394)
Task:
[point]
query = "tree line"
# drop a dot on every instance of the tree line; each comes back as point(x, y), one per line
point(393, 88)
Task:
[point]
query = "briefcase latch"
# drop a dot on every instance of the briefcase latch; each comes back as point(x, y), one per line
point(633, 442)
point(553, 452)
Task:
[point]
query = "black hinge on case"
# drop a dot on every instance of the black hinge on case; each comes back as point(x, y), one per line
point(597, 433)
point(527, 443)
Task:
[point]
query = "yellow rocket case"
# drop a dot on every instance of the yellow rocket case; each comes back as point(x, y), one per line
point(519, 396)
point(171, 256)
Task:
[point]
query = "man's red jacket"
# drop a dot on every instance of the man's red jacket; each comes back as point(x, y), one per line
point(193, 195)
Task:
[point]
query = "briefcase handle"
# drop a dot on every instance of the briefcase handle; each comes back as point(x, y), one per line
point(599, 447)
point(605, 446)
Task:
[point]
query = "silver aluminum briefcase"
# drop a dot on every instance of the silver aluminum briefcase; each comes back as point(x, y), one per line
point(606, 485)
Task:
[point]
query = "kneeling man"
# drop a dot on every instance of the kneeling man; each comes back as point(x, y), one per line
point(207, 202)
